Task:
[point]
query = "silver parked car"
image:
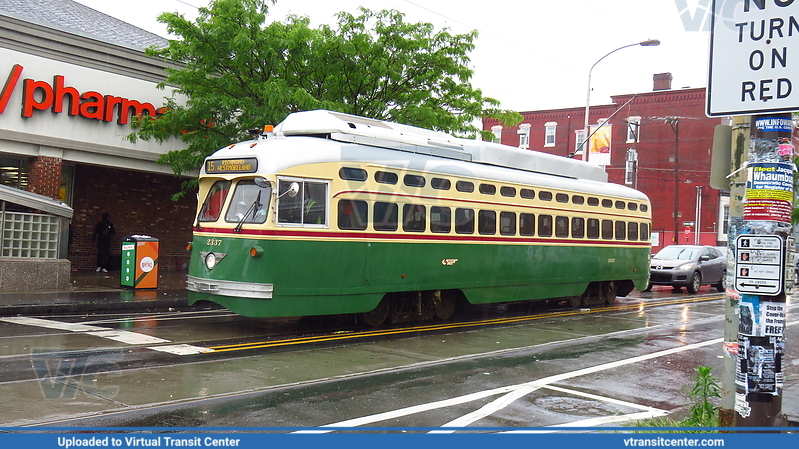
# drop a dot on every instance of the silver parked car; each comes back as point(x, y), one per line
point(690, 266)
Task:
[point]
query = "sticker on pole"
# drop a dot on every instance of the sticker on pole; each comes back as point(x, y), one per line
point(769, 192)
point(759, 264)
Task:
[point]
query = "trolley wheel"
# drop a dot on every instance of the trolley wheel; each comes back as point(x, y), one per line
point(377, 316)
point(607, 291)
point(444, 304)
point(576, 301)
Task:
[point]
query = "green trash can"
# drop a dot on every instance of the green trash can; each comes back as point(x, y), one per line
point(139, 262)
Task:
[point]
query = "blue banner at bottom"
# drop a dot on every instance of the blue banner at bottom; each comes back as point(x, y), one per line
point(392, 438)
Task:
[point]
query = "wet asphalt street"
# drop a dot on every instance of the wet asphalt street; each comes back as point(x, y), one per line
point(156, 367)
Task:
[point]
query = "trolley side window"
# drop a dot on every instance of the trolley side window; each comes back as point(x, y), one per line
point(440, 219)
point(414, 217)
point(578, 227)
point(249, 203)
point(632, 231)
point(507, 191)
point(212, 206)
point(607, 229)
point(593, 228)
point(644, 232)
point(561, 226)
point(414, 181)
point(441, 183)
point(464, 186)
point(464, 221)
point(352, 214)
point(488, 189)
point(386, 216)
point(487, 222)
point(527, 224)
point(352, 174)
point(307, 207)
point(545, 225)
point(385, 177)
point(621, 230)
point(507, 223)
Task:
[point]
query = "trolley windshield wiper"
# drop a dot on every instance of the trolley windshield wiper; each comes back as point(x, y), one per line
point(253, 207)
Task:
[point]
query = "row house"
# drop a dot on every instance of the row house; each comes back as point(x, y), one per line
point(659, 142)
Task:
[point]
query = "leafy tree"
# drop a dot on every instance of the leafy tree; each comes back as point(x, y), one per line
point(239, 72)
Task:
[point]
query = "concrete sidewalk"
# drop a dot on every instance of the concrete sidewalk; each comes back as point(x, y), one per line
point(92, 292)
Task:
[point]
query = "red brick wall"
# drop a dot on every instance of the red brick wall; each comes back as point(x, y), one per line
point(139, 203)
point(656, 151)
point(44, 176)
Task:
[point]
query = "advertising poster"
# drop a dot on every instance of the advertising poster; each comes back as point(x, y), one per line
point(769, 192)
point(599, 145)
point(761, 346)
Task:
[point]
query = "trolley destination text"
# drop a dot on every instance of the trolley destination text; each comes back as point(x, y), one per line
point(244, 165)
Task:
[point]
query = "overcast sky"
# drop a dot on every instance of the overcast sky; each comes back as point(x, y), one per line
point(530, 54)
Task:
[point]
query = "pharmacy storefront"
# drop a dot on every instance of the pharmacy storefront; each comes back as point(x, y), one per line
point(65, 110)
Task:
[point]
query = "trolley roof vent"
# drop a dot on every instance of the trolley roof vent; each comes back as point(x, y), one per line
point(376, 133)
point(395, 136)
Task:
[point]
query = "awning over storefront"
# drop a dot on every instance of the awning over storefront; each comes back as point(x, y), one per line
point(34, 201)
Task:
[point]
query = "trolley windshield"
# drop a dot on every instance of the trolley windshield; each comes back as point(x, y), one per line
point(249, 203)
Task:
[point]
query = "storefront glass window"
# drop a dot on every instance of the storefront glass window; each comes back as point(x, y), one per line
point(14, 173)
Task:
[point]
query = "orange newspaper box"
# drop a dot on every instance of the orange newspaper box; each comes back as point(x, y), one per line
point(139, 262)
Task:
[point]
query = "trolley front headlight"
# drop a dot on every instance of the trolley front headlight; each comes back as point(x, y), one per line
point(210, 261)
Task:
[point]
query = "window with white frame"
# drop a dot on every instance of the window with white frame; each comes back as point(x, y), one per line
point(579, 138)
point(549, 133)
point(497, 131)
point(723, 218)
point(524, 136)
point(633, 129)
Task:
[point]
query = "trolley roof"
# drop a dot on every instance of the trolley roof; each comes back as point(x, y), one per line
point(377, 133)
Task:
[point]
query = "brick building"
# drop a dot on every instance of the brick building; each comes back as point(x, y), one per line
point(670, 134)
point(71, 79)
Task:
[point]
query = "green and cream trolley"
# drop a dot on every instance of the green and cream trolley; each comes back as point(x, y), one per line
point(337, 214)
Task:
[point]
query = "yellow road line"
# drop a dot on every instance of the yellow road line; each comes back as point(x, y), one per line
point(437, 327)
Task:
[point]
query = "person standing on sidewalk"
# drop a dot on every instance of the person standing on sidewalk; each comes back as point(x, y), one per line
point(103, 231)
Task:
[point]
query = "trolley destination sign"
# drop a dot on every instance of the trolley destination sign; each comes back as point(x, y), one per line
point(759, 264)
point(240, 165)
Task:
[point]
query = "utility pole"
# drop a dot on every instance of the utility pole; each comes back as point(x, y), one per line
point(761, 252)
point(739, 151)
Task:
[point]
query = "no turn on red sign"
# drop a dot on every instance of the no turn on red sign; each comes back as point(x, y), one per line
point(754, 57)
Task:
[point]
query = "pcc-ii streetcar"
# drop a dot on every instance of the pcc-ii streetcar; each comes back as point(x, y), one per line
point(331, 213)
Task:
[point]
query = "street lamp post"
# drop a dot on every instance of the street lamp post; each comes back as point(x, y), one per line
point(584, 145)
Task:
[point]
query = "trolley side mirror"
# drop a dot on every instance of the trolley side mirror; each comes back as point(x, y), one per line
point(262, 182)
point(293, 190)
